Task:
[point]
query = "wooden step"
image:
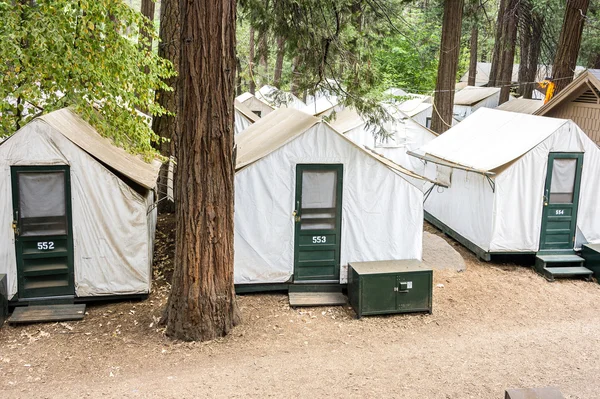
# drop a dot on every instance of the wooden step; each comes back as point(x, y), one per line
point(317, 299)
point(560, 258)
point(570, 271)
point(46, 313)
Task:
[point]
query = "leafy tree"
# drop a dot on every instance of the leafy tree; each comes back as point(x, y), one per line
point(84, 54)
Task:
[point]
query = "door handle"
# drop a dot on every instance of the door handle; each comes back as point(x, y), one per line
point(15, 223)
point(546, 198)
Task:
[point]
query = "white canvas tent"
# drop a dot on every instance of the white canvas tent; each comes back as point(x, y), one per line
point(259, 107)
point(501, 193)
point(404, 135)
point(83, 210)
point(244, 117)
point(380, 211)
point(471, 98)
point(323, 106)
point(278, 98)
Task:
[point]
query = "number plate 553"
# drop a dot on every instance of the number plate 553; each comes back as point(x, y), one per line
point(319, 239)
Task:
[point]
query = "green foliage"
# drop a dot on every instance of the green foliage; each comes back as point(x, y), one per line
point(84, 54)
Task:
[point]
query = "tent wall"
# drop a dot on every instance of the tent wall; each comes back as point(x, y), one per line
point(241, 122)
point(421, 117)
point(463, 111)
point(466, 206)
point(257, 105)
point(110, 222)
point(382, 216)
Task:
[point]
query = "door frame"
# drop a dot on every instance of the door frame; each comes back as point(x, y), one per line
point(546, 197)
point(14, 170)
point(339, 168)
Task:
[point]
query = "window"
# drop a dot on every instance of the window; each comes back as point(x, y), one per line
point(428, 122)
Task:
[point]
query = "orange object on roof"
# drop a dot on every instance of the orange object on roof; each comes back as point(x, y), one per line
point(549, 86)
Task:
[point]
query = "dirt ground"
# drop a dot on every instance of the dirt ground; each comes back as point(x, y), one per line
point(494, 326)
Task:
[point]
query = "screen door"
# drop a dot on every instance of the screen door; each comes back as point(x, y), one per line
point(317, 214)
point(42, 227)
point(561, 196)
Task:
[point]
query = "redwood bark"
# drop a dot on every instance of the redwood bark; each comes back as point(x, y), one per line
point(202, 303)
point(252, 85)
point(296, 77)
point(166, 126)
point(473, 55)
point(531, 40)
point(508, 43)
point(446, 77)
point(279, 62)
point(147, 10)
point(569, 43)
point(497, 53)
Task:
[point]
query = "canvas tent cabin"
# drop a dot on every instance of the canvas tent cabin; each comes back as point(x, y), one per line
point(419, 108)
point(518, 184)
point(580, 102)
point(308, 201)
point(323, 106)
point(77, 216)
point(260, 108)
point(521, 105)
point(244, 117)
point(278, 98)
point(471, 98)
point(404, 135)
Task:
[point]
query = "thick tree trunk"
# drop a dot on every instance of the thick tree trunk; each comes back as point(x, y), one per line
point(252, 85)
point(473, 55)
point(279, 62)
point(166, 126)
point(202, 303)
point(531, 41)
point(147, 10)
point(446, 77)
point(569, 43)
point(497, 53)
point(509, 41)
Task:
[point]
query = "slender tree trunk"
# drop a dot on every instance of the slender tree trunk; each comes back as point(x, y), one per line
point(446, 77)
point(509, 41)
point(296, 78)
point(473, 55)
point(167, 126)
point(252, 85)
point(596, 62)
point(202, 303)
point(263, 56)
point(497, 53)
point(279, 62)
point(147, 10)
point(238, 80)
point(531, 41)
point(569, 43)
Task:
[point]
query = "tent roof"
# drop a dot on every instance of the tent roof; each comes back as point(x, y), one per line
point(585, 81)
point(414, 106)
point(247, 112)
point(472, 95)
point(346, 120)
point(482, 76)
point(284, 125)
point(394, 91)
point(271, 133)
point(244, 97)
point(323, 104)
point(521, 105)
point(490, 138)
point(83, 135)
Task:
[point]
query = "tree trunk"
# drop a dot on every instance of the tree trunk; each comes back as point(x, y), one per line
point(296, 77)
point(509, 41)
point(279, 62)
point(202, 303)
point(147, 10)
point(167, 126)
point(263, 56)
point(446, 77)
point(473, 55)
point(569, 43)
point(497, 53)
point(531, 41)
point(252, 85)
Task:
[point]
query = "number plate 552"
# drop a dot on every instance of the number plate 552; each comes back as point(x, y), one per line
point(45, 245)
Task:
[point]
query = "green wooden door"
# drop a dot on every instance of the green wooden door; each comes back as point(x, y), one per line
point(561, 196)
point(43, 232)
point(318, 215)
